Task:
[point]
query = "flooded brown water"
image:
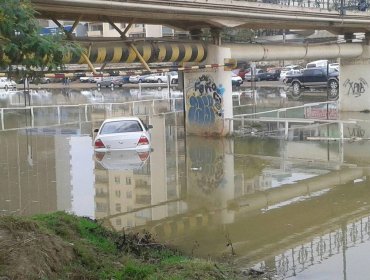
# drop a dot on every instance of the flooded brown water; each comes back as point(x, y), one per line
point(299, 207)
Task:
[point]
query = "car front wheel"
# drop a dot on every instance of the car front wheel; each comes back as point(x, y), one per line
point(159, 81)
point(296, 87)
point(333, 90)
point(333, 84)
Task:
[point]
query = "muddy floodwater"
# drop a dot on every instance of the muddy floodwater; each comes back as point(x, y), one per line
point(298, 206)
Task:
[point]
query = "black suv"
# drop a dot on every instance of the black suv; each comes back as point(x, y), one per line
point(315, 78)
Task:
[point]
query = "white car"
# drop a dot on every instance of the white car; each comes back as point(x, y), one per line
point(137, 79)
point(295, 69)
point(125, 133)
point(162, 77)
point(236, 80)
point(7, 84)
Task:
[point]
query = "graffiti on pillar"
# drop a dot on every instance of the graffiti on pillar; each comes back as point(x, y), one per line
point(356, 88)
point(356, 131)
point(207, 166)
point(205, 100)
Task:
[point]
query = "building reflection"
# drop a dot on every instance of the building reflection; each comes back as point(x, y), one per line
point(45, 169)
point(134, 189)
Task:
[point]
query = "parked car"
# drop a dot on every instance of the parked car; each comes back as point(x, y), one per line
point(292, 69)
point(126, 133)
point(236, 80)
point(272, 74)
point(315, 78)
point(84, 79)
point(114, 81)
point(258, 75)
point(241, 72)
point(7, 84)
point(137, 79)
point(162, 77)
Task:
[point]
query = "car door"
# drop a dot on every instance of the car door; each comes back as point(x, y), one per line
point(320, 78)
point(308, 77)
point(123, 134)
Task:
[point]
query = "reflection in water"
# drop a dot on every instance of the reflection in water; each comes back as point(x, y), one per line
point(300, 207)
point(70, 96)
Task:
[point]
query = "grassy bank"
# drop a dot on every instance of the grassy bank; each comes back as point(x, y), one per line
point(63, 246)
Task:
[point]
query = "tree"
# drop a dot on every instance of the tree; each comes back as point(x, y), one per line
point(22, 44)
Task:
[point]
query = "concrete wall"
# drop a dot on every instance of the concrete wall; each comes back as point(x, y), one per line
point(354, 90)
point(208, 99)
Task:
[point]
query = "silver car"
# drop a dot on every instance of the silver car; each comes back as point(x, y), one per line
point(137, 79)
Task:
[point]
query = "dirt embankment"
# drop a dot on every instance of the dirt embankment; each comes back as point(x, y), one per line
point(62, 246)
point(27, 252)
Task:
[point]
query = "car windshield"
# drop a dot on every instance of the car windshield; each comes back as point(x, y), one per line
point(121, 127)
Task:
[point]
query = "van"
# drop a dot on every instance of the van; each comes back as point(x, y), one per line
point(317, 63)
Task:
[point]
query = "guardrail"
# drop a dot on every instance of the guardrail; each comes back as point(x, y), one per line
point(329, 5)
point(64, 114)
point(307, 114)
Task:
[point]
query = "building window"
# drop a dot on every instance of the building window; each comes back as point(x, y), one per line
point(96, 27)
point(118, 207)
point(128, 180)
point(117, 179)
point(129, 194)
point(118, 193)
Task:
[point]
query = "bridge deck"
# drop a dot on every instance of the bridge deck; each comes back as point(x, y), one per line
point(189, 14)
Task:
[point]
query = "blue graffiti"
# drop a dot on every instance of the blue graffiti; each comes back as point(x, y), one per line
point(206, 101)
point(201, 110)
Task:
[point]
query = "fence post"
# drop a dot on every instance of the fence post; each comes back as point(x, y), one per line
point(286, 129)
point(2, 119)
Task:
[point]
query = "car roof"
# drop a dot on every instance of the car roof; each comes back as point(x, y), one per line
point(122, 119)
point(313, 68)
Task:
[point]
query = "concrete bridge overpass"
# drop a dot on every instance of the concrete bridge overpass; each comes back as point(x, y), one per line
point(208, 92)
point(191, 15)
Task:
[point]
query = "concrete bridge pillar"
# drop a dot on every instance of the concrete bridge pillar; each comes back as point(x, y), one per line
point(354, 89)
point(208, 99)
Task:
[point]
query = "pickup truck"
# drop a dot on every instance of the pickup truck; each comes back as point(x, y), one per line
point(314, 78)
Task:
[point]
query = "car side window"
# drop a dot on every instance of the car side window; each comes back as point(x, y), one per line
point(318, 72)
point(309, 72)
point(121, 127)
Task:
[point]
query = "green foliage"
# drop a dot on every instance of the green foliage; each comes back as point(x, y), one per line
point(71, 228)
point(232, 34)
point(21, 43)
point(103, 254)
point(136, 271)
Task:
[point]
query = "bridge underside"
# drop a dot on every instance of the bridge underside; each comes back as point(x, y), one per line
point(190, 15)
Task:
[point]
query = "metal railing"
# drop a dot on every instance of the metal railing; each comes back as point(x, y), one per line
point(279, 122)
point(49, 115)
point(329, 5)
